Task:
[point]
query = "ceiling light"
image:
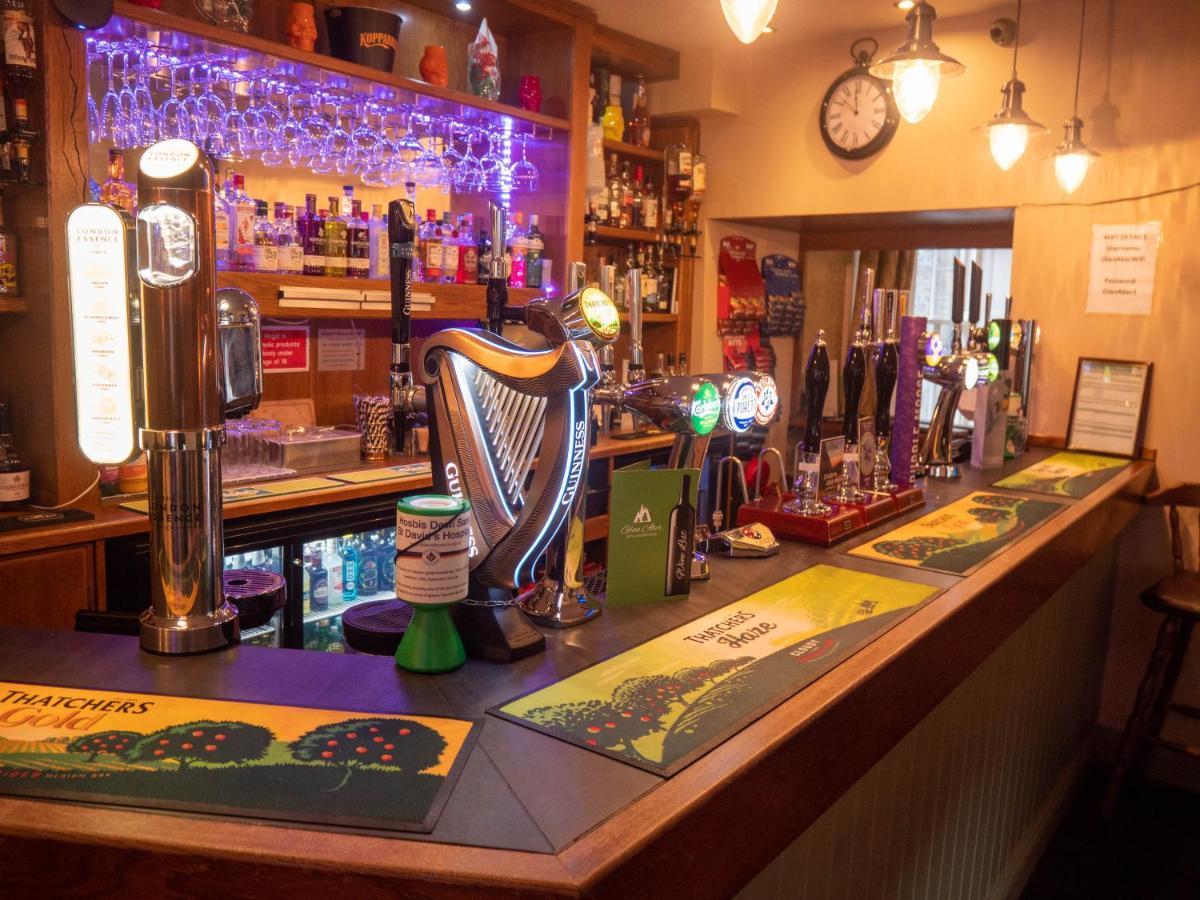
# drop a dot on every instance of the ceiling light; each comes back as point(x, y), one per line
point(917, 66)
point(1073, 158)
point(1009, 130)
point(748, 19)
point(463, 5)
point(768, 29)
point(905, 4)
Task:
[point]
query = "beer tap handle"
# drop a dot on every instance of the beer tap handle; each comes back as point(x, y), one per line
point(633, 291)
point(887, 326)
point(816, 386)
point(608, 279)
point(956, 301)
point(497, 286)
point(402, 248)
point(976, 292)
point(854, 377)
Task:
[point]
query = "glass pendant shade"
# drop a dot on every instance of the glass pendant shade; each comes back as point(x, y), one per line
point(1073, 158)
point(748, 18)
point(1010, 129)
point(917, 67)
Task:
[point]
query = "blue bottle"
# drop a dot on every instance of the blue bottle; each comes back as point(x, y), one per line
point(349, 555)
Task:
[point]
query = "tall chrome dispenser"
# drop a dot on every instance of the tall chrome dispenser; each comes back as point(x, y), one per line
point(175, 390)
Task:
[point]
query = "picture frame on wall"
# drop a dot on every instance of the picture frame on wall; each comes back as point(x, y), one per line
point(1109, 405)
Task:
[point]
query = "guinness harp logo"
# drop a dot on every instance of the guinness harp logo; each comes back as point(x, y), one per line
point(376, 39)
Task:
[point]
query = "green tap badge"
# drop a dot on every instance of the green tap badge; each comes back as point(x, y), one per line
point(706, 408)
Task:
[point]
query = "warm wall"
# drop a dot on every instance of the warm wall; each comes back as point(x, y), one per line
point(1140, 90)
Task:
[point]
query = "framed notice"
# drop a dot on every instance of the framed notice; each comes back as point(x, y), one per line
point(1108, 409)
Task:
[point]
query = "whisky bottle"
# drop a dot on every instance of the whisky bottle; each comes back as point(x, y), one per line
point(9, 282)
point(681, 532)
point(266, 254)
point(116, 191)
point(336, 250)
point(20, 58)
point(638, 130)
point(14, 475)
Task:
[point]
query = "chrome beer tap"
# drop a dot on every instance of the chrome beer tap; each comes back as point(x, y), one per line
point(633, 291)
point(955, 373)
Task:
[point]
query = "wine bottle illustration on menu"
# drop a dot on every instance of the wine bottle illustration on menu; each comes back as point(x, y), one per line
point(681, 530)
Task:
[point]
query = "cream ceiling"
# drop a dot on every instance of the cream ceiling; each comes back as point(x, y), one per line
point(686, 24)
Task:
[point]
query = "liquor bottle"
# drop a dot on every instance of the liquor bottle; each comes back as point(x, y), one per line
point(336, 249)
point(518, 247)
point(681, 533)
point(615, 192)
point(266, 254)
point(10, 281)
point(639, 190)
point(20, 58)
point(368, 569)
point(289, 249)
point(600, 206)
point(306, 587)
point(613, 120)
point(21, 164)
point(699, 178)
point(683, 369)
point(649, 208)
point(358, 262)
point(432, 253)
point(319, 581)
point(387, 556)
point(628, 194)
point(221, 221)
point(594, 99)
point(533, 254)
point(450, 252)
point(116, 191)
point(468, 253)
point(241, 225)
point(3, 106)
point(669, 371)
point(638, 130)
point(679, 173)
point(312, 237)
point(377, 234)
point(14, 475)
point(484, 255)
point(349, 553)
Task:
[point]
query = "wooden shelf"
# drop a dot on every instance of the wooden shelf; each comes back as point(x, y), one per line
point(629, 56)
point(595, 528)
point(653, 318)
point(451, 301)
point(632, 150)
point(278, 51)
point(13, 305)
point(610, 235)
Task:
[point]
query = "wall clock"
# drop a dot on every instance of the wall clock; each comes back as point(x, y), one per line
point(858, 115)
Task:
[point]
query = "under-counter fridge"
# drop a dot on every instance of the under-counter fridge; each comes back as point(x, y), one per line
point(331, 557)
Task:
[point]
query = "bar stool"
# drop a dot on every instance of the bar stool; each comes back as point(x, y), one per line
point(1178, 597)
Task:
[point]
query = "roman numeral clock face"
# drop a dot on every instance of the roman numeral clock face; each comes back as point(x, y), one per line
point(858, 116)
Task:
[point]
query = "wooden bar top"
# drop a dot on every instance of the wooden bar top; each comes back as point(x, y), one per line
point(532, 815)
point(113, 520)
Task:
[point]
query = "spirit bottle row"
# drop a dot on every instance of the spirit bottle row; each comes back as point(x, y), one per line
point(627, 200)
point(657, 277)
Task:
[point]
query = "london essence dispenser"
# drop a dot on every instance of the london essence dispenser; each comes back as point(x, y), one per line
point(180, 407)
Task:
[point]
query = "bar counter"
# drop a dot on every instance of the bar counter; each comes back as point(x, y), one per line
point(536, 816)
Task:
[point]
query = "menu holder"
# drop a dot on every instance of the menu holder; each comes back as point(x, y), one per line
point(1108, 408)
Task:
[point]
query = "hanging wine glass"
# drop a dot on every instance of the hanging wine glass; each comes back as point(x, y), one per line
point(173, 119)
point(451, 156)
point(284, 147)
point(428, 168)
point(211, 109)
point(495, 169)
point(408, 148)
point(471, 178)
point(333, 154)
point(235, 142)
point(316, 129)
point(95, 128)
point(523, 174)
point(143, 101)
point(127, 103)
point(111, 119)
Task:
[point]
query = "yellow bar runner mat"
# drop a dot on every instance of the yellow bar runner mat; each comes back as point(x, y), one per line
point(1065, 474)
point(960, 537)
point(388, 473)
point(665, 703)
point(155, 751)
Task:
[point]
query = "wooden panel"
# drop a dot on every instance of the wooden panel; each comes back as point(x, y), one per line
point(14, 305)
point(897, 230)
point(629, 56)
point(43, 590)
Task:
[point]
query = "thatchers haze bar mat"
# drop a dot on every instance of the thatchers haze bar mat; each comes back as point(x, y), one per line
point(1065, 474)
point(322, 766)
point(961, 536)
point(663, 704)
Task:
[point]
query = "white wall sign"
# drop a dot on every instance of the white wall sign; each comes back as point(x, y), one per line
point(341, 349)
point(1121, 279)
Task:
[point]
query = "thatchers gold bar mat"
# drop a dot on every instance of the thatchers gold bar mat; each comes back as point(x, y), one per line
point(387, 473)
point(255, 491)
point(665, 703)
point(322, 766)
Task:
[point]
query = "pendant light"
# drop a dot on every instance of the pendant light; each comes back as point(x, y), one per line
point(1009, 130)
point(748, 18)
point(917, 66)
point(1073, 158)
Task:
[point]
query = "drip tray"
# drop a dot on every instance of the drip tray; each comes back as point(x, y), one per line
point(315, 449)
